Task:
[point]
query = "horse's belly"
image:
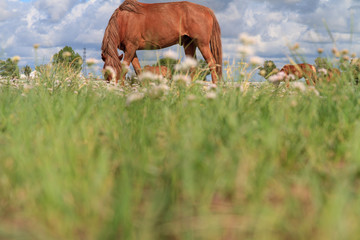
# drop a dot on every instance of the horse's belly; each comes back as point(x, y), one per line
point(158, 42)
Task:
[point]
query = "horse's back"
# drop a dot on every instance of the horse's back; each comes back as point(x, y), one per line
point(306, 67)
point(159, 25)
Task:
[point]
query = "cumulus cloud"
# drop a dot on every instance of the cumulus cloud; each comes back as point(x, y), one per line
point(4, 11)
point(292, 5)
point(55, 10)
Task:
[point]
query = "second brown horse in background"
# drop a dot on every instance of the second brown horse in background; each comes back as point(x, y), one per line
point(159, 70)
point(302, 70)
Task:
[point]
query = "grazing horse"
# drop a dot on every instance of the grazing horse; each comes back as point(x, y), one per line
point(302, 70)
point(139, 26)
point(158, 70)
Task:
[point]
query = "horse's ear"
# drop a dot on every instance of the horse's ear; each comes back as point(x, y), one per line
point(121, 56)
point(103, 57)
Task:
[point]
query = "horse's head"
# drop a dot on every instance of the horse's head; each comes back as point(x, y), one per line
point(112, 67)
point(286, 69)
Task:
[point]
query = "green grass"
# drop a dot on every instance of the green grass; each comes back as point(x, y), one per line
point(79, 161)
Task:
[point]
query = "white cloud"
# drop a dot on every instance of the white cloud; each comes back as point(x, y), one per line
point(4, 11)
point(32, 17)
point(55, 9)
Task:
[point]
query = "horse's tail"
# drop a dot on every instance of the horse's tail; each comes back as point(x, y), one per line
point(216, 46)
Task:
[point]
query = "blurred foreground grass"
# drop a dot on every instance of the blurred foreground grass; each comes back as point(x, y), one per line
point(86, 160)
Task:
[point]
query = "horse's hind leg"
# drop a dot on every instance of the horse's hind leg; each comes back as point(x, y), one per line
point(209, 58)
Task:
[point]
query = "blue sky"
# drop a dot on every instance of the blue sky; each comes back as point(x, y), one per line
point(276, 24)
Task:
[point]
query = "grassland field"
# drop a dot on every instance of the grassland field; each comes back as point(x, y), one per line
point(83, 159)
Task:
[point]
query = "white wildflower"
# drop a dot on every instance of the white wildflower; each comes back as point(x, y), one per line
point(178, 67)
point(182, 79)
point(210, 95)
point(170, 54)
point(149, 76)
point(34, 74)
point(291, 77)
point(164, 87)
point(163, 81)
point(243, 87)
point(313, 89)
point(323, 71)
point(210, 87)
point(133, 97)
point(110, 70)
point(157, 91)
point(300, 86)
point(190, 62)
point(186, 65)
point(276, 78)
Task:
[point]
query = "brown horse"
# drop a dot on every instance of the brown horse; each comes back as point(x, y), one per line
point(302, 70)
point(138, 26)
point(159, 70)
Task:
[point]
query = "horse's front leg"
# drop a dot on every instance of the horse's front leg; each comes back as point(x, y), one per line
point(128, 58)
point(136, 64)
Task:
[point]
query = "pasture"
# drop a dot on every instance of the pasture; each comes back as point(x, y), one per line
point(82, 159)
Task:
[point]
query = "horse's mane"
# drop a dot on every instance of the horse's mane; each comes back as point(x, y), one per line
point(131, 6)
point(111, 41)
